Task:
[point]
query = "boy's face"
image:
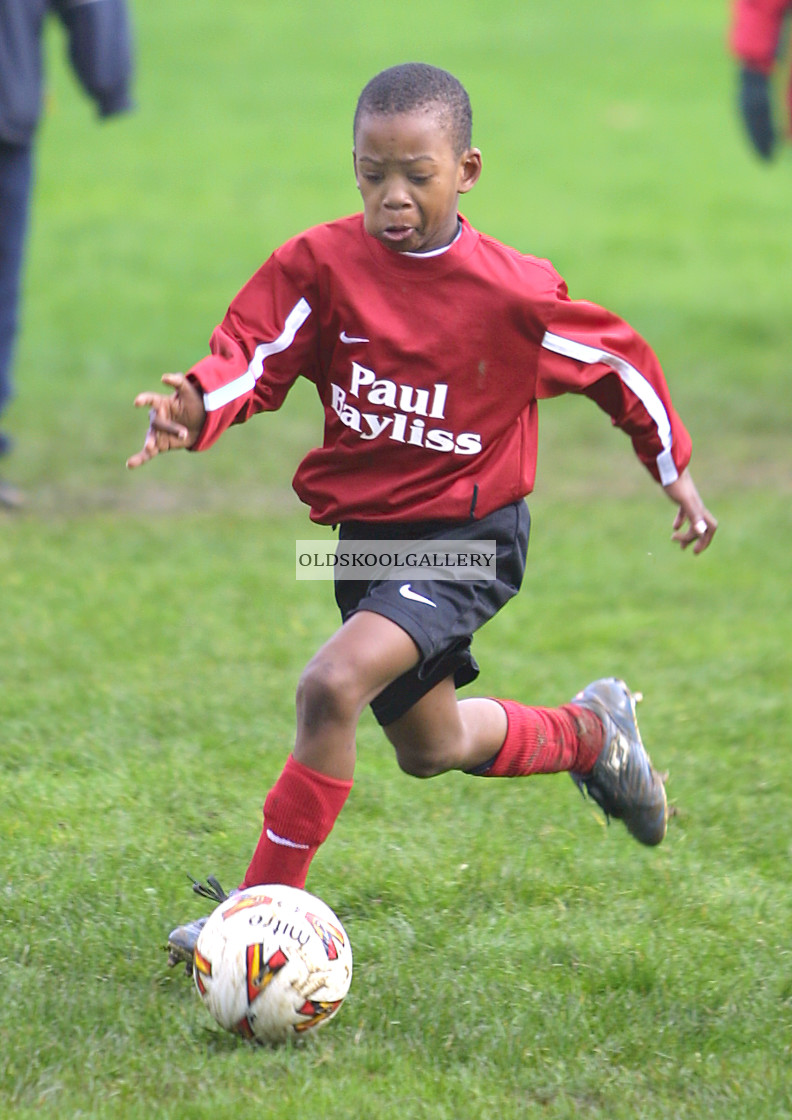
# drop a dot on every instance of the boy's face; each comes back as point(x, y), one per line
point(410, 178)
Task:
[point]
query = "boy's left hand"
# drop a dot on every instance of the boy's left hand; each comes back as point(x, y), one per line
point(693, 524)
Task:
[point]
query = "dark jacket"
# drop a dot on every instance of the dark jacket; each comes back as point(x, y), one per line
point(100, 52)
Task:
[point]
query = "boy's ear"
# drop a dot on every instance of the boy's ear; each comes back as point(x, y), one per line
point(469, 170)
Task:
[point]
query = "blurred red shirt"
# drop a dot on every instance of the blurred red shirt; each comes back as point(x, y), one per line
point(755, 37)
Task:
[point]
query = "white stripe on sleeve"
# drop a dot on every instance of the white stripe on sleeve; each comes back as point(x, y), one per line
point(243, 384)
point(634, 381)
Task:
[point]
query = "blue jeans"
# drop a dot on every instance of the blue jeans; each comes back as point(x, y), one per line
point(16, 175)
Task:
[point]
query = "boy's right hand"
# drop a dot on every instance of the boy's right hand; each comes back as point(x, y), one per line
point(174, 421)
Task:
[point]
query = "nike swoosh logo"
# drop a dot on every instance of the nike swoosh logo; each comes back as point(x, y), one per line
point(407, 593)
point(284, 841)
point(347, 338)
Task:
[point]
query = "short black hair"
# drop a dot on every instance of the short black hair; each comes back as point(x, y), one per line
point(416, 85)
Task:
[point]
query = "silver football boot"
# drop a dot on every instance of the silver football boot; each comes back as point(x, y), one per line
point(623, 781)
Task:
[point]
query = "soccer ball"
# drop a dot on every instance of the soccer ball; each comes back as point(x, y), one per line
point(272, 962)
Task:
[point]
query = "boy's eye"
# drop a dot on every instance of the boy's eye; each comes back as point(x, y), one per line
point(419, 179)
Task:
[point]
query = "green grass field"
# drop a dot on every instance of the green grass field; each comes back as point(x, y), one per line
point(513, 956)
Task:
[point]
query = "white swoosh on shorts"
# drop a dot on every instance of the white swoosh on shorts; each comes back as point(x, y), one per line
point(350, 338)
point(407, 593)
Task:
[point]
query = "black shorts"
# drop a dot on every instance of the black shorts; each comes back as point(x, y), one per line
point(442, 632)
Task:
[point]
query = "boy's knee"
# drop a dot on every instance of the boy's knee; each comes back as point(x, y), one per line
point(418, 766)
point(418, 758)
point(327, 693)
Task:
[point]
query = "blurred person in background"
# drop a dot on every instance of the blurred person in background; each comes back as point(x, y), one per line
point(100, 52)
point(757, 39)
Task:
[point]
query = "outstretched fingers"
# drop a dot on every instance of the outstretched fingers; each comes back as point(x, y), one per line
point(165, 432)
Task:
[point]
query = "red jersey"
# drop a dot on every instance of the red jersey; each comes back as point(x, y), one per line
point(429, 368)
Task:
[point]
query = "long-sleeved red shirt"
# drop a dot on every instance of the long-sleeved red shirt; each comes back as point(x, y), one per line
point(429, 369)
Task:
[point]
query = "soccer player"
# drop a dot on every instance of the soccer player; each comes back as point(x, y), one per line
point(429, 344)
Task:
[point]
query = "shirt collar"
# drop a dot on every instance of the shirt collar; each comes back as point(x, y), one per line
point(443, 248)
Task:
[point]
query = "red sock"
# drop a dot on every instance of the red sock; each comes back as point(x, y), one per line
point(299, 813)
point(546, 741)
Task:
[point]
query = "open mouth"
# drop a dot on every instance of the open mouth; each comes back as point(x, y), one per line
point(397, 234)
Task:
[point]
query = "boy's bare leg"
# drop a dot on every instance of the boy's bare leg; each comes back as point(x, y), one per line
point(351, 668)
point(365, 655)
point(595, 738)
point(496, 738)
point(441, 733)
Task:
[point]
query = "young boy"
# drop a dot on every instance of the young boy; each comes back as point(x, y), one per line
point(429, 345)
